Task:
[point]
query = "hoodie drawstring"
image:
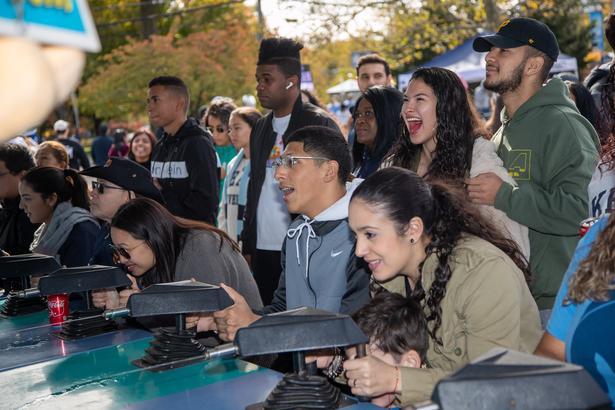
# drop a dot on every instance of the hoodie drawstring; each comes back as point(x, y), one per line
point(311, 234)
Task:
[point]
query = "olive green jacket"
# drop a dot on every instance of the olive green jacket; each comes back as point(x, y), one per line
point(487, 304)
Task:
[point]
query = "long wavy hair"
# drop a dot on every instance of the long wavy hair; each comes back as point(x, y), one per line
point(446, 214)
point(165, 234)
point(457, 127)
point(595, 275)
point(386, 103)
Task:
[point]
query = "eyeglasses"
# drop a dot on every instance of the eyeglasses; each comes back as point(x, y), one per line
point(289, 161)
point(100, 187)
point(219, 130)
point(120, 252)
point(367, 115)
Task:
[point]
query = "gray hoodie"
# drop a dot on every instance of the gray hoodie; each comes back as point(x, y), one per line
point(320, 269)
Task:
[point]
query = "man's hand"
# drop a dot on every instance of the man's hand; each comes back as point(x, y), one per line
point(105, 298)
point(483, 188)
point(125, 294)
point(233, 318)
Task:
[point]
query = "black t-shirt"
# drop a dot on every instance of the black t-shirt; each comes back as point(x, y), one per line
point(77, 158)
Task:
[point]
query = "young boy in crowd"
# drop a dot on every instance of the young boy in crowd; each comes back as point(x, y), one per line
point(397, 332)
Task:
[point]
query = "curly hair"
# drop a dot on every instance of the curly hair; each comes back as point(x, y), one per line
point(447, 216)
point(457, 127)
point(594, 278)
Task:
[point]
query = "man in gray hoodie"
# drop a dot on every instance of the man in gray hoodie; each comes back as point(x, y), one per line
point(319, 267)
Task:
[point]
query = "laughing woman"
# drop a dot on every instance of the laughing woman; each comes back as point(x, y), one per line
point(157, 247)
point(443, 138)
point(439, 250)
point(58, 200)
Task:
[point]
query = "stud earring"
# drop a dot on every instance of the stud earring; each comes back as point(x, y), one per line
point(412, 240)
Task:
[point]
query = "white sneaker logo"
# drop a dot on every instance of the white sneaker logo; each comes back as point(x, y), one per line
point(334, 254)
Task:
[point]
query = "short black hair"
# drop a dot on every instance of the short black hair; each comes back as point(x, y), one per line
point(394, 323)
point(16, 157)
point(283, 53)
point(373, 59)
point(174, 83)
point(325, 142)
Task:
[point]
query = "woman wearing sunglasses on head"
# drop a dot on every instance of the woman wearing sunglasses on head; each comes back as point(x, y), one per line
point(157, 247)
point(116, 182)
point(58, 200)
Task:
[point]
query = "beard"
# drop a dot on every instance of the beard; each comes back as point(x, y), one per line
point(509, 84)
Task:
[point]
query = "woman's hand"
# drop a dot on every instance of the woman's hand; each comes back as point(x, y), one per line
point(125, 294)
point(371, 377)
point(106, 298)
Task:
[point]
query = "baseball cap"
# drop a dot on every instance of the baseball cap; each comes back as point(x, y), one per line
point(126, 174)
point(520, 31)
point(60, 126)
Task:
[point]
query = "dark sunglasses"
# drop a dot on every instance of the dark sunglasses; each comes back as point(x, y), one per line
point(100, 187)
point(120, 252)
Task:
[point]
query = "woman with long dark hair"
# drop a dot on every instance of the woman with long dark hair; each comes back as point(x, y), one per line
point(58, 200)
point(438, 249)
point(235, 188)
point(157, 247)
point(444, 138)
point(377, 123)
point(141, 147)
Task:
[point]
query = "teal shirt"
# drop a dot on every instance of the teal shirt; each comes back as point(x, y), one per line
point(226, 153)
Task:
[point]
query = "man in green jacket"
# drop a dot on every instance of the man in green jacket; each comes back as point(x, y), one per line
point(546, 145)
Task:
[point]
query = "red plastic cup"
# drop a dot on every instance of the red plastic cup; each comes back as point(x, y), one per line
point(58, 309)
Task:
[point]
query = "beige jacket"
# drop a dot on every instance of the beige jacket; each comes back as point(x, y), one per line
point(487, 304)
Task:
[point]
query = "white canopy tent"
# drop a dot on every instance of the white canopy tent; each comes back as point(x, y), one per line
point(347, 86)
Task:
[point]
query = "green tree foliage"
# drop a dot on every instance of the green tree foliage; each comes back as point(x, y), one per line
point(567, 20)
point(212, 62)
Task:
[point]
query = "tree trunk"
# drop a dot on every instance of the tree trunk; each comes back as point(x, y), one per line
point(149, 26)
point(493, 14)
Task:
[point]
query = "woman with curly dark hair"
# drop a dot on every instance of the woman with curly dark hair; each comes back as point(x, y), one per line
point(440, 126)
point(439, 250)
point(377, 123)
point(444, 138)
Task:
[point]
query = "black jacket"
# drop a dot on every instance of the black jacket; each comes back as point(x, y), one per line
point(16, 230)
point(185, 165)
point(262, 140)
point(596, 80)
point(77, 158)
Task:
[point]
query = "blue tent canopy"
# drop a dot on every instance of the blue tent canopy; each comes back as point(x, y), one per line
point(470, 65)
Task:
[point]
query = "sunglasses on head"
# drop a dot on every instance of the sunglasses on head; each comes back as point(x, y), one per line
point(100, 187)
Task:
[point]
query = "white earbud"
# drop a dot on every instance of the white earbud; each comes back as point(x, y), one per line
point(290, 84)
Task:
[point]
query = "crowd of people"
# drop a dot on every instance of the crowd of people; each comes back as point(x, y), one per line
point(443, 234)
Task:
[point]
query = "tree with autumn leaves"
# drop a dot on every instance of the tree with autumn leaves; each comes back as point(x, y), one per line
point(218, 60)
